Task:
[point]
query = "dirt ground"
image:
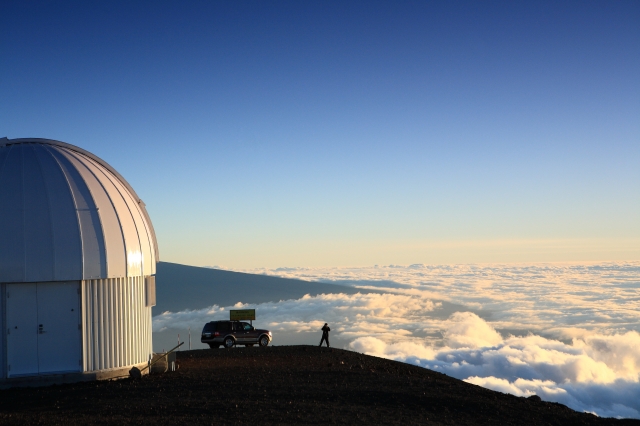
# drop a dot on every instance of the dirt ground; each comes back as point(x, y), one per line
point(283, 385)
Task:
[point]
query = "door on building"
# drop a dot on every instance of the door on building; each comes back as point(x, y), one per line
point(22, 324)
point(43, 328)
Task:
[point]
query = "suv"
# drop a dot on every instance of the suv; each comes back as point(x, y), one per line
point(231, 333)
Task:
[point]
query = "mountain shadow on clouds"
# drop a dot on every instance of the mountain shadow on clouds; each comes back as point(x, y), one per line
point(181, 287)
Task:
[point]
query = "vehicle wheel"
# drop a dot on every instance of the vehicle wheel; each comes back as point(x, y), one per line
point(264, 341)
point(214, 345)
point(228, 342)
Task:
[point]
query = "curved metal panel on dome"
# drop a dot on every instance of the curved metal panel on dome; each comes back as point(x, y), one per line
point(65, 214)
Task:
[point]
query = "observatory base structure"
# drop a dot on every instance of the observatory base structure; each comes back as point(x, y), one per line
point(77, 266)
point(89, 326)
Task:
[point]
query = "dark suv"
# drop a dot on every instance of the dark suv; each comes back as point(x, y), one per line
point(231, 333)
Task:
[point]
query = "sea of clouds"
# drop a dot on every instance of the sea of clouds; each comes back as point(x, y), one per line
point(566, 332)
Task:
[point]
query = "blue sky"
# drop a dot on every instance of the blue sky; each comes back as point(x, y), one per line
point(347, 133)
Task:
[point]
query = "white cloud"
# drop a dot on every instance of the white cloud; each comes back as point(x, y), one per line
point(620, 351)
point(467, 330)
point(400, 351)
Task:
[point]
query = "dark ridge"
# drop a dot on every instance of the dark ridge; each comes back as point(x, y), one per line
point(284, 385)
point(180, 287)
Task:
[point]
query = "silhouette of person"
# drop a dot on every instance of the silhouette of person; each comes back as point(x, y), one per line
point(325, 335)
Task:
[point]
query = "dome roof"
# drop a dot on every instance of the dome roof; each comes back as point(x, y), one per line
point(67, 215)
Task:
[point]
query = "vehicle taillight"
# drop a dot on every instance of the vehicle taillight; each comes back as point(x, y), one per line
point(216, 333)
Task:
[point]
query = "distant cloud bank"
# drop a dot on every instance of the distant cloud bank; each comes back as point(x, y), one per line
point(568, 333)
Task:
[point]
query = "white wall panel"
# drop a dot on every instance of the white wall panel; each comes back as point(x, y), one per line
point(12, 255)
point(93, 248)
point(116, 323)
point(67, 242)
point(113, 239)
point(139, 261)
point(39, 254)
point(146, 258)
point(3, 327)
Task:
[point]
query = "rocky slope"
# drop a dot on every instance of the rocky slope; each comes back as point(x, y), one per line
point(280, 385)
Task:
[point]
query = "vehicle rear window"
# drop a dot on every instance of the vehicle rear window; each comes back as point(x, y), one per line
point(209, 327)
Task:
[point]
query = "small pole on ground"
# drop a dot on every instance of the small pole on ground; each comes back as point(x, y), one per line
point(179, 339)
point(189, 338)
point(136, 374)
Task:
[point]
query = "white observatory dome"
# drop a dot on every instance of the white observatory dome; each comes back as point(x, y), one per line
point(77, 262)
point(68, 215)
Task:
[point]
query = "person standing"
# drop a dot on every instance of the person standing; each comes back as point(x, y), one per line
point(325, 335)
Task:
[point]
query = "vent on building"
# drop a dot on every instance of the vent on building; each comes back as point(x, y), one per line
point(151, 290)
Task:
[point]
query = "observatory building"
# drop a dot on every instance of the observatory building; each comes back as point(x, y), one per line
point(77, 262)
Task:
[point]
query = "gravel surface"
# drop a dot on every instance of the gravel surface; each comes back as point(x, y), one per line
point(283, 385)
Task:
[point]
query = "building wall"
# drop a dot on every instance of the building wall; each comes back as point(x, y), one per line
point(116, 323)
point(3, 341)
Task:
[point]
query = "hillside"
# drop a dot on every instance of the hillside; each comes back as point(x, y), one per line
point(181, 287)
point(284, 385)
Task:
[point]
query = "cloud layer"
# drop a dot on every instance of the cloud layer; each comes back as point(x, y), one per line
point(568, 333)
point(599, 374)
point(533, 297)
